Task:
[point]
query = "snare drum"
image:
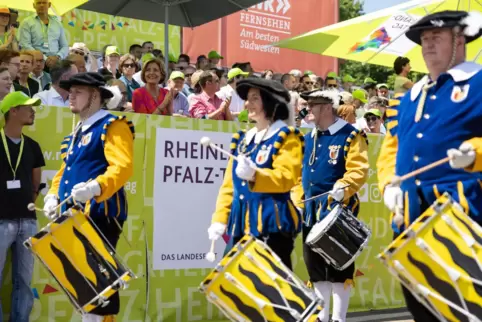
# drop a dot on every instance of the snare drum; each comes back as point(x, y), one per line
point(439, 259)
point(81, 261)
point(252, 284)
point(339, 238)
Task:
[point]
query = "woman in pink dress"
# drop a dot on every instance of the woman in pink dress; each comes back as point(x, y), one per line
point(152, 99)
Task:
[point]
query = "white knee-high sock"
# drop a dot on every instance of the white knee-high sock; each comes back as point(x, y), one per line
point(341, 299)
point(323, 290)
point(92, 318)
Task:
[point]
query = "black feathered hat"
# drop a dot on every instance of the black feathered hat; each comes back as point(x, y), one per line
point(470, 24)
point(88, 79)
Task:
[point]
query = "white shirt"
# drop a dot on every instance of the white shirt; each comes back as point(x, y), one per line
point(52, 98)
point(137, 77)
point(237, 104)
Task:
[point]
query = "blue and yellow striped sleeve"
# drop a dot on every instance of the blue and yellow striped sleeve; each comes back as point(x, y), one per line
point(119, 153)
point(387, 160)
point(225, 197)
point(298, 194)
point(477, 144)
point(388, 152)
point(356, 163)
point(54, 188)
point(64, 147)
point(287, 162)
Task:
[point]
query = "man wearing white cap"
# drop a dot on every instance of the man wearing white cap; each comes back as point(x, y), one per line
point(335, 162)
point(237, 104)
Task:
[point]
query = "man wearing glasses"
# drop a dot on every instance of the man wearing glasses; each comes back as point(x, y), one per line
point(11, 59)
point(38, 74)
point(331, 83)
point(207, 105)
point(229, 91)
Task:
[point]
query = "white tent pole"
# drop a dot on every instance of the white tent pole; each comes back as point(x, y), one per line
point(166, 40)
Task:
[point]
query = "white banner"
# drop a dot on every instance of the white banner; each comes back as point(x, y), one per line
point(187, 180)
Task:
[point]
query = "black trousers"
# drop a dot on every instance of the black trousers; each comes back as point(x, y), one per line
point(108, 227)
point(281, 243)
point(419, 312)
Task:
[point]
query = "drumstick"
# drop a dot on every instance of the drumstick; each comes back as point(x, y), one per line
point(207, 142)
point(323, 194)
point(31, 207)
point(398, 180)
point(210, 257)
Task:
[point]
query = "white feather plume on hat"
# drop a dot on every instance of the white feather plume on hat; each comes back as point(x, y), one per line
point(114, 102)
point(332, 94)
point(473, 21)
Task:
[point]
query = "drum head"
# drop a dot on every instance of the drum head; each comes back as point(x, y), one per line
point(321, 227)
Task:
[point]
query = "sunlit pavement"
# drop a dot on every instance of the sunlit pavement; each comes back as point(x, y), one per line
point(394, 315)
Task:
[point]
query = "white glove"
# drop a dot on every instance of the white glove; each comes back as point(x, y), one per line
point(462, 157)
point(398, 219)
point(50, 203)
point(83, 192)
point(337, 193)
point(216, 230)
point(246, 168)
point(393, 197)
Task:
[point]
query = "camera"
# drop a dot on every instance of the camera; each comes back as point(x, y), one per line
point(302, 114)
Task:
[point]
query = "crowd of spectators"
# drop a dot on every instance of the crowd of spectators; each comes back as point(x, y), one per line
point(37, 56)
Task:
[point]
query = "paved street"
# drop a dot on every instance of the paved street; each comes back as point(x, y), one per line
point(394, 315)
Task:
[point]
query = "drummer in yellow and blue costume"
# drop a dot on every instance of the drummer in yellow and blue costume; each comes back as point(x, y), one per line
point(441, 115)
point(336, 155)
point(97, 163)
point(256, 203)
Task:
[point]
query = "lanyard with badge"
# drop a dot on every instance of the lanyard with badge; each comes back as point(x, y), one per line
point(13, 184)
point(45, 33)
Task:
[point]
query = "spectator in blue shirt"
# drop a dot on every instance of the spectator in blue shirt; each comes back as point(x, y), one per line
point(44, 33)
point(180, 104)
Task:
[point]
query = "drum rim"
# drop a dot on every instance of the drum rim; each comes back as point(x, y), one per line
point(338, 209)
point(447, 204)
point(220, 268)
point(97, 297)
point(360, 250)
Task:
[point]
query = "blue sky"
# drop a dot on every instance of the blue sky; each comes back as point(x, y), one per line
point(374, 5)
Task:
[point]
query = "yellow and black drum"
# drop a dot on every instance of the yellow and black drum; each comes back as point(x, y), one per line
point(439, 259)
point(81, 261)
point(252, 284)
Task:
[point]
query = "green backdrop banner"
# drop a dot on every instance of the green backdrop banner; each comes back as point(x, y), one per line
point(172, 295)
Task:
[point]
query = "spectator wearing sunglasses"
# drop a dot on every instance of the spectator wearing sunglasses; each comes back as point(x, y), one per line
point(306, 84)
point(378, 104)
point(81, 49)
point(187, 70)
point(207, 105)
point(383, 91)
point(331, 83)
point(183, 58)
point(180, 103)
point(373, 117)
point(229, 91)
point(370, 86)
point(202, 62)
point(127, 66)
